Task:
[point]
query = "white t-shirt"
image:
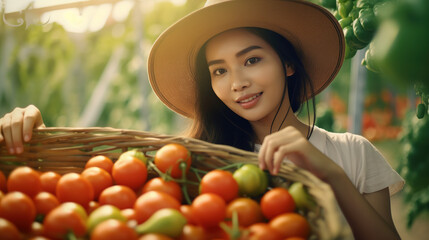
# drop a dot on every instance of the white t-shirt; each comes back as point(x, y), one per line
point(362, 162)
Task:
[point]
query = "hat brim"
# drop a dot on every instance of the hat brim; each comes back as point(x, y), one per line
point(314, 32)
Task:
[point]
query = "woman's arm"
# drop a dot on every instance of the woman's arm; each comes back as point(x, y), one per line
point(368, 215)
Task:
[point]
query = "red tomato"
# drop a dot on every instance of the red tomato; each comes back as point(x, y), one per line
point(291, 225)
point(169, 157)
point(186, 210)
point(113, 229)
point(155, 236)
point(92, 206)
point(73, 188)
point(170, 187)
point(49, 181)
point(45, 202)
point(220, 182)
point(61, 221)
point(208, 210)
point(192, 232)
point(129, 213)
point(8, 231)
point(3, 186)
point(248, 211)
point(25, 180)
point(19, 209)
point(150, 202)
point(276, 201)
point(129, 171)
point(100, 161)
point(119, 196)
point(262, 231)
point(99, 178)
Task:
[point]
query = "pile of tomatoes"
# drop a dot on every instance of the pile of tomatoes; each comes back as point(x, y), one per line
point(117, 200)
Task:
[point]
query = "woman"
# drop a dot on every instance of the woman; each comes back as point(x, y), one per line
point(240, 70)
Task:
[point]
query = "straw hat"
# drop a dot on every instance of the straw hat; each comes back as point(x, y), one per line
point(313, 30)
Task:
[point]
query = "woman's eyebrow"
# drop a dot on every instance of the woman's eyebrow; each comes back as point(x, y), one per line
point(240, 53)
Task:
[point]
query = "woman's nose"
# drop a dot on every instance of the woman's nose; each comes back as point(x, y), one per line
point(239, 82)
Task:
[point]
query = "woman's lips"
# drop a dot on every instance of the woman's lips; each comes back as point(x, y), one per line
point(249, 101)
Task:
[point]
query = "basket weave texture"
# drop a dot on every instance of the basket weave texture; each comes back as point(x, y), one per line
point(65, 150)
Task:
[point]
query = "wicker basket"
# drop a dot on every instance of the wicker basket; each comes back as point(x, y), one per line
point(66, 150)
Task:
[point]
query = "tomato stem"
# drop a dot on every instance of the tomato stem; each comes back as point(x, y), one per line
point(70, 235)
point(233, 165)
point(234, 231)
point(183, 167)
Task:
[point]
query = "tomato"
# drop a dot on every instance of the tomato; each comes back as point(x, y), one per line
point(150, 202)
point(186, 210)
point(129, 214)
point(75, 207)
point(248, 211)
point(276, 201)
point(35, 232)
point(252, 181)
point(170, 187)
point(129, 171)
point(295, 238)
point(62, 220)
point(92, 206)
point(119, 196)
point(192, 232)
point(3, 186)
point(220, 182)
point(74, 188)
point(99, 178)
point(208, 210)
point(25, 180)
point(113, 229)
point(103, 213)
point(8, 231)
point(155, 236)
point(135, 153)
point(19, 209)
point(49, 181)
point(100, 161)
point(45, 202)
point(262, 231)
point(291, 225)
point(169, 157)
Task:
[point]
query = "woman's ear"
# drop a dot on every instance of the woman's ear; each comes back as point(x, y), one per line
point(289, 70)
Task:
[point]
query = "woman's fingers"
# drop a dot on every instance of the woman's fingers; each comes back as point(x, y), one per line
point(32, 119)
point(16, 130)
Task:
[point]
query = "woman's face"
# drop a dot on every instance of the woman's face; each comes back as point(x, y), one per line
point(246, 74)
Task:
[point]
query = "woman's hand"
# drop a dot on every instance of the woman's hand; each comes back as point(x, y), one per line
point(291, 144)
point(17, 127)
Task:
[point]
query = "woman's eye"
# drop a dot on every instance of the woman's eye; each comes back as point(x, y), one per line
point(219, 71)
point(252, 60)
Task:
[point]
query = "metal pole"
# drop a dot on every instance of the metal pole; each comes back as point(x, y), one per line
point(358, 76)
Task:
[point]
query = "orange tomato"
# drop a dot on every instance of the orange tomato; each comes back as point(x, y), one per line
point(248, 211)
point(19, 209)
point(119, 196)
point(25, 180)
point(208, 210)
point(45, 202)
point(276, 201)
point(49, 181)
point(169, 157)
point(113, 229)
point(72, 187)
point(170, 187)
point(99, 178)
point(100, 161)
point(129, 171)
point(192, 232)
point(3, 186)
point(291, 225)
point(262, 231)
point(154, 236)
point(220, 182)
point(150, 202)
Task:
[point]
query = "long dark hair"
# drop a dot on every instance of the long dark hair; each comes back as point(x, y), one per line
point(216, 123)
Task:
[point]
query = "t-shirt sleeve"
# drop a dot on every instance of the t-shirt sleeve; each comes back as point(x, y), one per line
point(375, 173)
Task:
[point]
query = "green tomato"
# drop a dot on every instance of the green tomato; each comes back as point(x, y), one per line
point(103, 213)
point(166, 221)
point(135, 153)
point(252, 181)
point(300, 195)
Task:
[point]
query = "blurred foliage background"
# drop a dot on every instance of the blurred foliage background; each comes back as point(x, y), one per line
point(98, 78)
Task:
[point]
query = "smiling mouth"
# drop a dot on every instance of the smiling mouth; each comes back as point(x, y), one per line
point(250, 98)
